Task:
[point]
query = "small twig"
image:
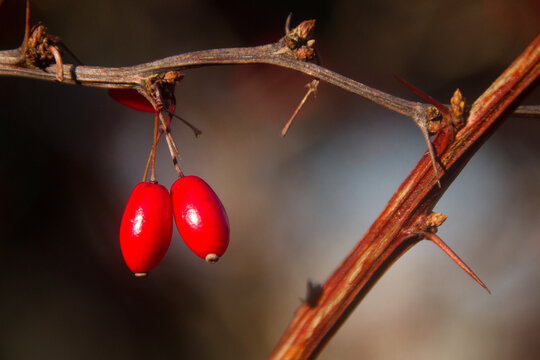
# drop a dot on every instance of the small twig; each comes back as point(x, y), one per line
point(198, 133)
point(312, 88)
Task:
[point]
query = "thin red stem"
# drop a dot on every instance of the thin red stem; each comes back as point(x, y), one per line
point(27, 23)
point(154, 146)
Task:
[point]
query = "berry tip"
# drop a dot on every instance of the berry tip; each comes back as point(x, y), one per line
point(211, 258)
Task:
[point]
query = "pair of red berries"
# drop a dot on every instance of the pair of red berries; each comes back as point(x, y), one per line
point(146, 228)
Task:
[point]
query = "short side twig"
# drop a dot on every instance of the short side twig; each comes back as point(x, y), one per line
point(312, 88)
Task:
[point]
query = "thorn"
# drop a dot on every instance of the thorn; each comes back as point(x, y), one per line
point(423, 95)
point(423, 127)
point(312, 88)
point(67, 49)
point(288, 24)
point(440, 243)
point(27, 24)
point(313, 293)
point(198, 133)
point(432, 154)
point(170, 112)
point(59, 63)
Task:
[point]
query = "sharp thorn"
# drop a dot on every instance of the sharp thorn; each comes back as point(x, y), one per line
point(431, 154)
point(59, 63)
point(441, 244)
point(443, 109)
point(422, 126)
point(288, 23)
point(68, 50)
point(27, 24)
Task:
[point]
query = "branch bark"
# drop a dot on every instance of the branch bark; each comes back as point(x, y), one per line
point(394, 231)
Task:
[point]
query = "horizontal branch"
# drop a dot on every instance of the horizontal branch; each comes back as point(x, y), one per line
point(133, 76)
point(12, 64)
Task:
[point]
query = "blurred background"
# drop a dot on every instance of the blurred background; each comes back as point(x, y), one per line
point(71, 156)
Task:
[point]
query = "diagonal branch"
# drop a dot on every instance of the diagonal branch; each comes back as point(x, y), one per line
point(386, 240)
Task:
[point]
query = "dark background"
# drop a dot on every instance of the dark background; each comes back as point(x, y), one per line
point(70, 157)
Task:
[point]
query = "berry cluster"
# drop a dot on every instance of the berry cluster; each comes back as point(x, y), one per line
point(146, 227)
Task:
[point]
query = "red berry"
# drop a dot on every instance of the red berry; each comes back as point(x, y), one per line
point(146, 228)
point(132, 98)
point(200, 218)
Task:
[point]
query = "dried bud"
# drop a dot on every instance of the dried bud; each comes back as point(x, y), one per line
point(173, 77)
point(300, 35)
point(306, 53)
point(435, 220)
point(305, 30)
point(161, 87)
point(36, 50)
point(457, 105)
point(290, 41)
point(431, 222)
point(434, 120)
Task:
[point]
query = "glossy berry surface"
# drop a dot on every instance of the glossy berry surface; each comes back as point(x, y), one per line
point(146, 228)
point(131, 98)
point(200, 218)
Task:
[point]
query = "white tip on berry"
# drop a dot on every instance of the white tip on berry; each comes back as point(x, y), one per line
point(211, 258)
point(140, 274)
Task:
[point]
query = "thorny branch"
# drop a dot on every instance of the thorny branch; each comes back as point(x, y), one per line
point(407, 218)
